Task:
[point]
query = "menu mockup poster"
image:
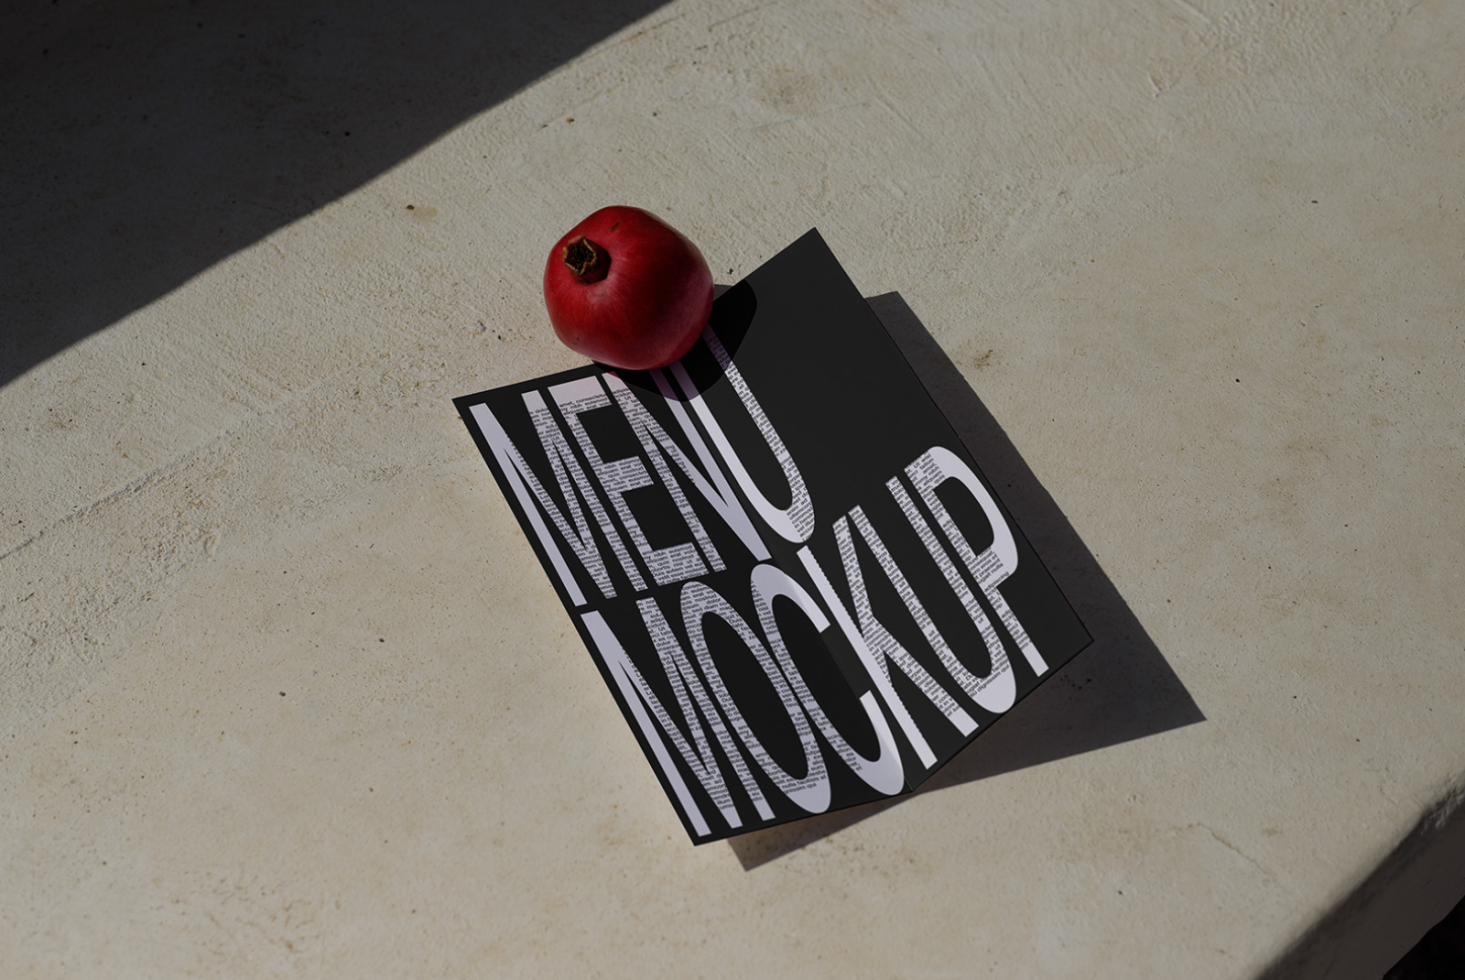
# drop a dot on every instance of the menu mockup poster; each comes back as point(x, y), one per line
point(796, 582)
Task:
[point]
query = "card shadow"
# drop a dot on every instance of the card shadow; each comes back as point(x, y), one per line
point(146, 141)
point(1117, 690)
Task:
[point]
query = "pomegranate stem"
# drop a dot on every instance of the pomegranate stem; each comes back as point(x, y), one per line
point(587, 261)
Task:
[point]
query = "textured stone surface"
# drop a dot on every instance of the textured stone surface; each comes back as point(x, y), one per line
point(283, 693)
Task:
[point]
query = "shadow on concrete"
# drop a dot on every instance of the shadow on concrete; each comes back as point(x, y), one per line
point(1415, 887)
point(1441, 953)
point(1117, 690)
point(146, 140)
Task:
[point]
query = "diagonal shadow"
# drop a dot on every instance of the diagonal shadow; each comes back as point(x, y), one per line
point(145, 140)
point(1117, 690)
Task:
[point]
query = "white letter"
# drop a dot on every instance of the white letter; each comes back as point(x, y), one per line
point(992, 567)
point(580, 540)
point(998, 690)
point(884, 774)
point(617, 478)
point(638, 695)
point(562, 458)
point(875, 633)
point(797, 522)
point(963, 677)
point(658, 445)
point(810, 792)
point(874, 645)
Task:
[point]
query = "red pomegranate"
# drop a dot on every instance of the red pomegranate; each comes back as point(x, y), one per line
point(627, 289)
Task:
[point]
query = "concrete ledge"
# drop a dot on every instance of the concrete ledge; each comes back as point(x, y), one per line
point(1416, 886)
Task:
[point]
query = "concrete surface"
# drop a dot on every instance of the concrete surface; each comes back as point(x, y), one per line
point(283, 693)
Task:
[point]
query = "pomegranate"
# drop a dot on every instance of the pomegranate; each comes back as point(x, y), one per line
point(627, 289)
